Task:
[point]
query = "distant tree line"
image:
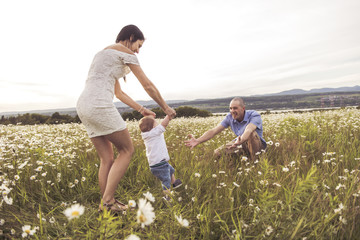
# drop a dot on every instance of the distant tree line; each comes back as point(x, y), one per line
point(57, 118)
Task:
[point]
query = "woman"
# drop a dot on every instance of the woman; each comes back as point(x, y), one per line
point(100, 117)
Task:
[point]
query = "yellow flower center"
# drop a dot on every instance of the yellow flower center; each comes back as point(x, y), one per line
point(142, 218)
point(75, 213)
point(27, 231)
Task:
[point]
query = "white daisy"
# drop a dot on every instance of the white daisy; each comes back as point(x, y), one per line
point(74, 211)
point(149, 197)
point(145, 214)
point(183, 222)
point(132, 237)
point(27, 231)
point(132, 203)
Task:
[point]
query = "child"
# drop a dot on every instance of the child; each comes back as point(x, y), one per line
point(157, 153)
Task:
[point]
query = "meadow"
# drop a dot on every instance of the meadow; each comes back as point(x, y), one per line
point(304, 186)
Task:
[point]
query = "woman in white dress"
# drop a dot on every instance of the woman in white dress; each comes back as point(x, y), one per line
point(100, 117)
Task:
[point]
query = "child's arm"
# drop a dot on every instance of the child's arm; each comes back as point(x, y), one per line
point(165, 121)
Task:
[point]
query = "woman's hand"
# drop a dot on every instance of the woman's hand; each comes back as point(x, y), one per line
point(146, 112)
point(171, 112)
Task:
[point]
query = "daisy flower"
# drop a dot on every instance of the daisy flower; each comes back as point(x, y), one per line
point(132, 203)
point(149, 197)
point(27, 231)
point(145, 214)
point(183, 222)
point(74, 211)
point(132, 237)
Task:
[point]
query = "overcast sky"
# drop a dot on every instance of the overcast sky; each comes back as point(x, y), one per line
point(193, 49)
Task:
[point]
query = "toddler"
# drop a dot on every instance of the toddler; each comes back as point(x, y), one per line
point(157, 153)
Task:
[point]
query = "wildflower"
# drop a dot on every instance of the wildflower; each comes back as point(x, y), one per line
point(214, 176)
point(76, 181)
point(16, 177)
point(236, 185)
point(342, 220)
point(193, 199)
point(183, 222)
point(145, 214)
point(33, 177)
point(338, 210)
point(277, 144)
point(277, 184)
point(63, 204)
point(221, 172)
point(199, 216)
point(132, 203)
point(74, 211)
point(12, 231)
point(23, 165)
point(292, 163)
point(197, 175)
point(270, 142)
point(83, 179)
point(27, 231)
point(340, 186)
point(9, 201)
point(2, 222)
point(44, 174)
point(40, 163)
point(38, 169)
point(264, 182)
point(244, 158)
point(52, 220)
point(132, 237)
point(149, 197)
point(180, 199)
point(285, 169)
point(269, 230)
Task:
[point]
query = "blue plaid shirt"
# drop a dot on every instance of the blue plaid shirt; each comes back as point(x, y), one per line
point(238, 128)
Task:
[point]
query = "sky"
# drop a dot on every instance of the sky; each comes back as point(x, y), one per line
point(193, 49)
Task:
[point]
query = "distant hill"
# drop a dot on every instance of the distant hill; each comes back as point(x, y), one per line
point(290, 99)
point(315, 90)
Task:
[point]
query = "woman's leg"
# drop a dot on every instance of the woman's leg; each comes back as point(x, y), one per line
point(124, 146)
point(106, 155)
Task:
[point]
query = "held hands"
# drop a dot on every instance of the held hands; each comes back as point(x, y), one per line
point(170, 112)
point(146, 112)
point(192, 142)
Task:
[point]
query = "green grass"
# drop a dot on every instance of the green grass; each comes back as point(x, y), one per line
point(295, 190)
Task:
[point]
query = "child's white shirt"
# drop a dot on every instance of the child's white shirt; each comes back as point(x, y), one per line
point(155, 144)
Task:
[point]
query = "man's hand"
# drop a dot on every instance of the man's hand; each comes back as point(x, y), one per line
point(236, 143)
point(192, 142)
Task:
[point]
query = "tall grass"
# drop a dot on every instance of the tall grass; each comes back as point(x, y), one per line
point(305, 186)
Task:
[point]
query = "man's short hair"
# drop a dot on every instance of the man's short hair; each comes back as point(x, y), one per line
point(239, 100)
point(146, 124)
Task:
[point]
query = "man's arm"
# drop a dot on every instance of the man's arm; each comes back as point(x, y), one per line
point(206, 136)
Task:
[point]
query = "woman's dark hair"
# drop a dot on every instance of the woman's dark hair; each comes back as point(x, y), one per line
point(128, 32)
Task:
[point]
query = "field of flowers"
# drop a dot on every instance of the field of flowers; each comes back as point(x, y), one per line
point(305, 186)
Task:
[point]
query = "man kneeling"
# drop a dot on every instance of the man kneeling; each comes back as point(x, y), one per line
point(247, 125)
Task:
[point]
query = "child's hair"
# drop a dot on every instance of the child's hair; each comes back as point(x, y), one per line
point(146, 124)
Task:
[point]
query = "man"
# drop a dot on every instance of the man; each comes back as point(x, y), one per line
point(247, 125)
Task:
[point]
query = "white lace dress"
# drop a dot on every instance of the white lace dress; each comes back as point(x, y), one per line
point(95, 106)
